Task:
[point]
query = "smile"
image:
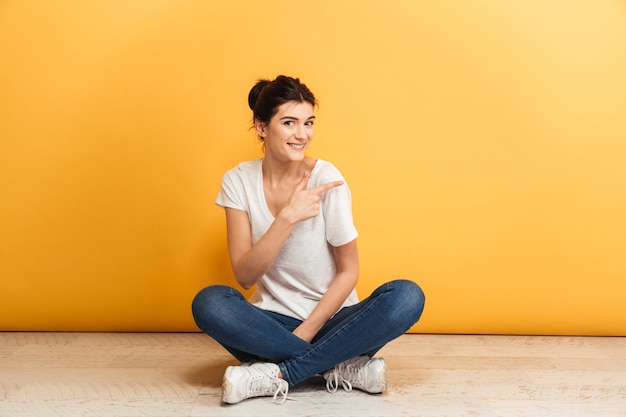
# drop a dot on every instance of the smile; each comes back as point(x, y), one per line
point(296, 145)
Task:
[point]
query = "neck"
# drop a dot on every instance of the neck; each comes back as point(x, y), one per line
point(276, 174)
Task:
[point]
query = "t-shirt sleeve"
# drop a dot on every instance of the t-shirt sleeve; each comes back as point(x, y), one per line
point(337, 210)
point(232, 192)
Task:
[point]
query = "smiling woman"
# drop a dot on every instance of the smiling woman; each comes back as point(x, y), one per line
point(291, 233)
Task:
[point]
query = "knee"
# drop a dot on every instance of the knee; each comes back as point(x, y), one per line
point(206, 301)
point(410, 298)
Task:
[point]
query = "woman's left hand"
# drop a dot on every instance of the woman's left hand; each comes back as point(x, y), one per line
point(303, 334)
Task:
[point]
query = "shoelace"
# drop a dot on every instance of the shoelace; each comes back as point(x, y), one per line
point(335, 376)
point(277, 387)
point(259, 384)
point(282, 388)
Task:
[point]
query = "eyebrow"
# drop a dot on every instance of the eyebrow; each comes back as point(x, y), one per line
point(295, 118)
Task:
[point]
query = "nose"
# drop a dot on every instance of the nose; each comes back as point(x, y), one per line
point(301, 132)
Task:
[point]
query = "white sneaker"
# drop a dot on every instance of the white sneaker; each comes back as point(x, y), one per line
point(259, 379)
point(365, 373)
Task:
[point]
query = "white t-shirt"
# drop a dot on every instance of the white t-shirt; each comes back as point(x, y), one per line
point(305, 266)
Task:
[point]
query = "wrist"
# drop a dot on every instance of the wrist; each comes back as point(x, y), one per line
point(286, 217)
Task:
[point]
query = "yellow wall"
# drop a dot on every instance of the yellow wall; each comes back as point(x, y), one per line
point(484, 142)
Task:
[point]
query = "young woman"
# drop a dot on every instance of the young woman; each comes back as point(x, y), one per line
point(291, 234)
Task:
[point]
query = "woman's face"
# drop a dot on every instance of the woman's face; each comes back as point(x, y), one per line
point(288, 134)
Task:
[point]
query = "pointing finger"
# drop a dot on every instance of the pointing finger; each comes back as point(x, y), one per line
point(324, 187)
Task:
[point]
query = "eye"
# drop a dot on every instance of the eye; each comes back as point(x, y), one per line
point(309, 123)
point(288, 122)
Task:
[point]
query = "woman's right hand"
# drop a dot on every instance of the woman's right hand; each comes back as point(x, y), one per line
point(305, 203)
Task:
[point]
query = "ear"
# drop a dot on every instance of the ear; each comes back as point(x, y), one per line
point(260, 128)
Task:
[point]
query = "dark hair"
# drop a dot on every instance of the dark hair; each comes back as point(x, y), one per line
point(266, 96)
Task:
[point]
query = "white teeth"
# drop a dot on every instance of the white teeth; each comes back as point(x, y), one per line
point(293, 145)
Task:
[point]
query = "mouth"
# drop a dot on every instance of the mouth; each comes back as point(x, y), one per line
point(296, 146)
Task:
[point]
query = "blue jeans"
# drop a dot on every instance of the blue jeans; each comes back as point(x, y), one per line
point(250, 333)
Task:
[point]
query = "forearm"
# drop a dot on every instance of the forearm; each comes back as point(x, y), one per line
point(253, 263)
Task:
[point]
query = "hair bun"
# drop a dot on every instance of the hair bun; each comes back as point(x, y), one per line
point(255, 92)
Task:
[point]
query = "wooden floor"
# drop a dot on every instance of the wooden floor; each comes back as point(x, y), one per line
point(172, 375)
